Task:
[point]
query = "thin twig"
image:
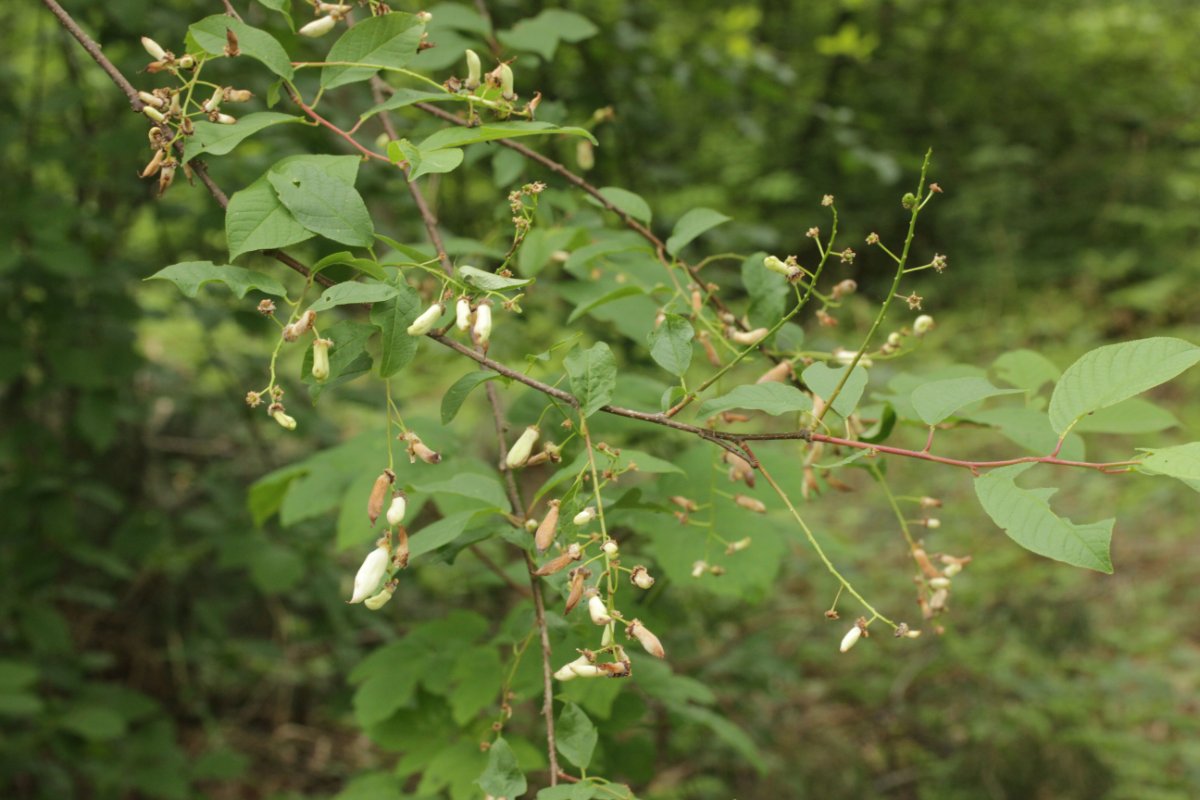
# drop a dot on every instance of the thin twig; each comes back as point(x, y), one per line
point(93, 50)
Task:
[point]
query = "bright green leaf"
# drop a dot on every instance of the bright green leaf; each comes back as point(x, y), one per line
point(502, 777)
point(215, 139)
point(691, 225)
point(628, 290)
point(460, 137)
point(363, 265)
point(456, 395)
point(1181, 461)
point(542, 34)
point(576, 736)
point(1134, 415)
point(490, 281)
point(189, 276)
point(390, 40)
point(1026, 369)
point(1116, 372)
point(593, 375)
point(442, 532)
point(823, 379)
point(1026, 516)
point(772, 398)
point(352, 292)
point(322, 203)
point(937, 400)
point(402, 98)
point(209, 34)
point(671, 344)
point(626, 201)
point(397, 348)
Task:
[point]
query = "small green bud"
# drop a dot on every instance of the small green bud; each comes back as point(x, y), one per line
point(909, 200)
point(474, 70)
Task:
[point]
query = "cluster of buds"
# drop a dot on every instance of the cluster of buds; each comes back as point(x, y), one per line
point(293, 331)
point(739, 468)
point(418, 449)
point(224, 94)
point(165, 59)
point(331, 14)
point(937, 580)
point(788, 268)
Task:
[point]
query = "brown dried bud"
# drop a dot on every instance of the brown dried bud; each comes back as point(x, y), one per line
point(548, 530)
point(418, 449)
point(266, 307)
point(780, 373)
point(750, 503)
point(641, 577)
point(844, 288)
point(650, 642)
point(922, 559)
point(379, 493)
point(710, 352)
point(739, 468)
point(616, 669)
point(578, 576)
point(400, 559)
point(730, 417)
point(930, 502)
point(825, 319)
point(683, 502)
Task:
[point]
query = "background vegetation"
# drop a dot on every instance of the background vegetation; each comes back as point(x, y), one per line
point(157, 642)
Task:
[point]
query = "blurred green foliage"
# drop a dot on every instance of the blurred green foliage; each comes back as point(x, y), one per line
point(160, 637)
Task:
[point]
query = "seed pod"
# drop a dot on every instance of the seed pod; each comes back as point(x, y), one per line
point(748, 337)
point(424, 323)
point(923, 325)
point(650, 642)
point(519, 453)
point(378, 494)
point(462, 311)
point(578, 576)
point(483, 323)
point(597, 610)
point(851, 638)
point(286, 422)
point(474, 70)
point(780, 373)
point(318, 27)
point(610, 548)
point(380, 600)
point(396, 511)
point(585, 516)
point(154, 165)
point(641, 577)
point(557, 564)
point(320, 365)
point(366, 581)
point(548, 529)
point(750, 503)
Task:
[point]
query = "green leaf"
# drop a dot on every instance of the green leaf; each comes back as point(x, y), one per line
point(94, 723)
point(480, 486)
point(16, 675)
point(1026, 369)
point(19, 704)
point(593, 375)
point(347, 356)
point(189, 276)
point(402, 98)
point(456, 395)
point(1026, 517)
point(823, 379)
point(671, 344)
point(1116, 372)
point(352, 292)
point(628, 202)
point(1030, 428)
point(576, 735)
point(628, 290)
point(490, 281)
point(569, 791)
point(542, 33)
point(773, 398)
point(1134, 415)
point(283, 7)
point(769, 294)
point(691, 225)
point(424, 162)
point(363, 265)
point(460, 137)
point(1181, 461)
point(323, 204)
point(502, 777)
point(937, 400)
point(387, 41)
point(209, 36)
point(442, 532)
point(393, 317)
point(727, 732)
point(215, 139)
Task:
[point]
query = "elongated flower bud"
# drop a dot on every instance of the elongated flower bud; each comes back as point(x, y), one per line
point(424, 323)
point(154, 48)
point(286, 422)
point(378, 601)
point(153, 113)
point(641, 577)
point(851, 638)
point(462, 312)
point(418, 449)
point(320, 365)
point(395, 512)
point(597, 610)
point(578, 576)
point(939, 583)
point(739, 468)
point(774, 264)
point(748, 337)
point(683, 502)
point(922, 558)
point(738, 546)
point(474, 70)
point(224, 119)
point(650, 642)
point(379, 494)
point(483, 323)
point(923, 325)
point(506, 82)
point(581, 667)
point(548, 529)
point(616, 669)
point(519, 453)
point(370, 574)
point(555, 565)
point(585, 516)
point(750, 503)
point(154, 165)
point(233, 95)
point(318, 27)
point(780, 373)
point(699, 568)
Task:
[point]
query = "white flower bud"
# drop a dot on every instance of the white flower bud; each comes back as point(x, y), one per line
point(748, 337)
point(153, 48)
point(933, 523)
point(923, 325)
point(851, 638)
point(699, 568)
point(519, 453)
point(320, 365)
point(506, 82)
point(153, 113)
point(606, 638)
point(650, 642)
point(424, 323)
point(610, 548)
point(396, 511)
point(939, 583)
point(462, 312)
point(750, 503)
point(474, 70)
point(641, 577)
point(894, 339)
point(286, 422)
point(225, 119)
point(318, 27)
point(581, 667)
point(483, 322)
point(598, 611)
point(952, 569)
point(846, 357)
point(585, 516)
point(370, 574)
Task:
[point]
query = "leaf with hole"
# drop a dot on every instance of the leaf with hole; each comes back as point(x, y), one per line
point(593, 375)
point(215, 139)
point(209, 35)
point(388, 41)
point(671, 344)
